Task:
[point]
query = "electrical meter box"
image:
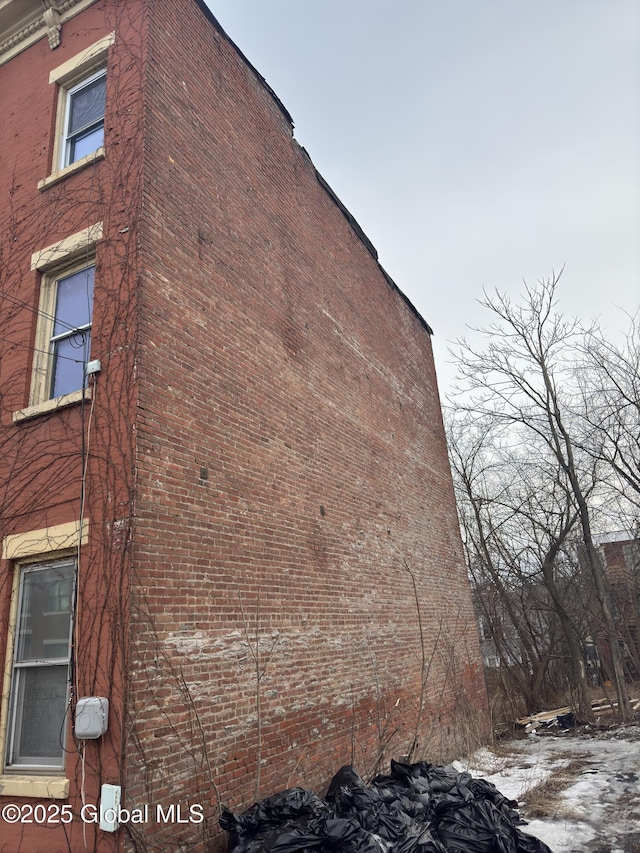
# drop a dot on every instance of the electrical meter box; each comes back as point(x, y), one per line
point(92, 715)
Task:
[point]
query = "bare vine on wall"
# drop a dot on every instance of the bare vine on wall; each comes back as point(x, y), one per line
point(388, 729)
point(426, 661)
point(260, 658)
point(80, 458)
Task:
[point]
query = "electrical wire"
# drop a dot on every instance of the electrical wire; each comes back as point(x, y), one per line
point(86, 427)
point(83, 794)
point(22, 304)
point(86, 443)
point(44, 351)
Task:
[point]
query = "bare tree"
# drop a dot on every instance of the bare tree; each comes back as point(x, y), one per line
point(610, 381)
point(518, 517)
point(523, 379)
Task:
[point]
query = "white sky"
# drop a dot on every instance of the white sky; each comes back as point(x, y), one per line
point(477, 142)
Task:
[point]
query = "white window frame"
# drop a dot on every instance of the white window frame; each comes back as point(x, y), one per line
point(67, 138)
point(69, 77)
point(72, 254)
point(15, 718)
point(44, 361)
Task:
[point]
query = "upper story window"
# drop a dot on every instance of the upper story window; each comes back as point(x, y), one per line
point(80, 117)
point(70, 332)
point(83, 131)
point(62, 345)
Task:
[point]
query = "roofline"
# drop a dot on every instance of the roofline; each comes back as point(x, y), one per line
point(209, 14)
point(323, 183)
point(369, 246)
point(615, 537)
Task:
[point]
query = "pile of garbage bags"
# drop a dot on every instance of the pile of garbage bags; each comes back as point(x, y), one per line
point(416, 808)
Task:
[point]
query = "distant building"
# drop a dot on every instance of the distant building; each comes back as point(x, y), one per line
point(620, 552)
point(224, 487)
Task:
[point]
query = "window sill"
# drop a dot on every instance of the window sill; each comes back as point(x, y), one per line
point(80, 164)
point(51, 405)
point(49, 787)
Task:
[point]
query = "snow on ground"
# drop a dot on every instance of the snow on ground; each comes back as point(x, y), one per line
point(597, 808)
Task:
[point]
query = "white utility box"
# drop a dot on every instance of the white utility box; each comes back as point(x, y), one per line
point(92, 717)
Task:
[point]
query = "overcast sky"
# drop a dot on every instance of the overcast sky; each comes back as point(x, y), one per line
point(477, 142)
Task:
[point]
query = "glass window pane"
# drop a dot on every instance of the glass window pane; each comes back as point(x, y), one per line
point(42, 701)
point(45, 614)
point(87, 105)
point(69, 358)
point(86, 143)
point(74, 301)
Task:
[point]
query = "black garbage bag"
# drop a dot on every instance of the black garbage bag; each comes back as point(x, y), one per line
point(484, 790)
point(416, 808)
point(346, 777)
point(367, 807)
point(420, 839)
point(233, 826)
point(401, 776)
point(443, 780)
point(475, 827)
point(530, 844)
point(324, 836)
point(290, 807)
point(292, 803)
point(405, 776)
point(349, 802)
point(425, 785)
point(392, 822)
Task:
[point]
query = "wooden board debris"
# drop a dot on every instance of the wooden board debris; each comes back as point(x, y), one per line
point(598, 706)
point(543, 716)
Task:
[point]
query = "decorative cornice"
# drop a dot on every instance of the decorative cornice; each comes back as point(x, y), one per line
point(52, 23)
point(24, 22)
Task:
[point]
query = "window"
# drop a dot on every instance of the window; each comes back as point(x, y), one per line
point(81, 84)
point(63, 345)
point(83, 130)
point(70, 341)
point(40, 669)
point(37, 659)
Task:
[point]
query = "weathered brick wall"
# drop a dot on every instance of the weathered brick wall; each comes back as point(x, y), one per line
point(291, 464)
point(290, 461)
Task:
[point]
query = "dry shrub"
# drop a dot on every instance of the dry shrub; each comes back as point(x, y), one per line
point(545, 800)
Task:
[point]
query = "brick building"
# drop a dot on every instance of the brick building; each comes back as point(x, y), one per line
point(620, 552)
point(225, 500)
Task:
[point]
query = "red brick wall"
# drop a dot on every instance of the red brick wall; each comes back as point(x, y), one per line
point(291, 462)
point(288, 445)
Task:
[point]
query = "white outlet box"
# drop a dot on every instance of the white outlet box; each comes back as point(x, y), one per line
point(110, 797)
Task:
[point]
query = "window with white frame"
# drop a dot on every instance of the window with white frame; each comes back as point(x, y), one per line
point(36, 731)
point(83, 128)
point(81, 84)
point(63, 342)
